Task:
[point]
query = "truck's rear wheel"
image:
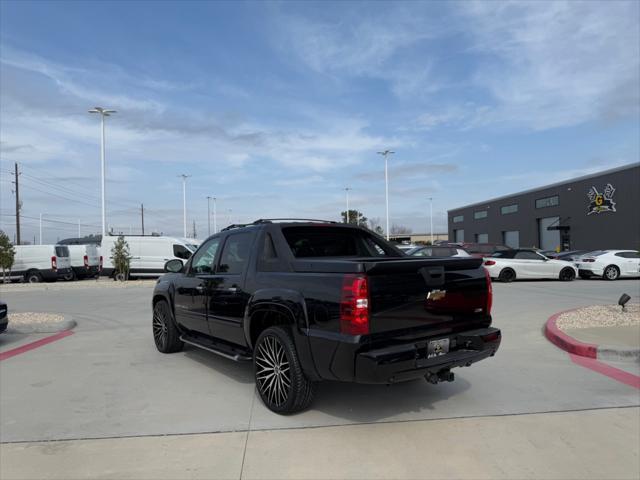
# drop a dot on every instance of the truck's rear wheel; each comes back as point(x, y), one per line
point(165, 332)
point(281, 383)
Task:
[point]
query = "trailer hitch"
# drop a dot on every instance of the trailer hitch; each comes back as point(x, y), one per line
point(441, 376)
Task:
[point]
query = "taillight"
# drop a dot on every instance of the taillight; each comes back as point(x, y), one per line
point(100, 262)
point(489, 262)
point(489, 292)
point(54, 263)
point(588, 260)
point(86, 261)
point(354, 305)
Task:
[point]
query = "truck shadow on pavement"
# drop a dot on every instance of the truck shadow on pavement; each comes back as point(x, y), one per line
point(369, 403)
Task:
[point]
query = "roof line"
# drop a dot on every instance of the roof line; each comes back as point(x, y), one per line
point(545, 187)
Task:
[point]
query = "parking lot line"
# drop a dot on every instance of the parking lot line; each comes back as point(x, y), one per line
point(33, 345)
point(607, 370)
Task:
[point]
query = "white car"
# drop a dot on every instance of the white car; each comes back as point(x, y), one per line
point(509, 265)
point(609, 264)
point(437, 251)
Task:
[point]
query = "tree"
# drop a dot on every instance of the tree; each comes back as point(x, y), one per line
point(355, 217)
point(121, 258)
point(7, 255)
point(374, 225)
point(400, 230)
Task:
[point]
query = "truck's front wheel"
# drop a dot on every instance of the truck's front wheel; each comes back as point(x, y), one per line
point(282, 384)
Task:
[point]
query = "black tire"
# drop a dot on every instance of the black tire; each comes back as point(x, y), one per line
point(71, 276)
point(120, 277)
point(507, 275)
point(611, 273)
point(33, 276)
point(567, 274)
point(165, 333)
point(289, 391)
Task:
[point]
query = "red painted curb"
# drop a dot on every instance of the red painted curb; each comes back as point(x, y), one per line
point(30, 346)
point(566, 342)
point(611, 372)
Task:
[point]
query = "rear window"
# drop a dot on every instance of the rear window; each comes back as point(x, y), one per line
point(62, 251)
point(321, 241)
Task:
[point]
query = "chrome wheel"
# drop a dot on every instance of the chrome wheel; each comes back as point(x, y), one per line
point(611, 273)
point(160, 327)
point(273, 371)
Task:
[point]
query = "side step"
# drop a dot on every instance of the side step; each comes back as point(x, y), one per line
point(218, 348)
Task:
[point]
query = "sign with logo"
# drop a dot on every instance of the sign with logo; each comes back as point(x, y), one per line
point(601, 202)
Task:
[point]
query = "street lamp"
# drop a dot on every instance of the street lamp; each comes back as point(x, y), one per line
point(215, 226)
point(103, 113)
point(184, 202)
point(431, 217)
point(347, 213)
point(385, 154)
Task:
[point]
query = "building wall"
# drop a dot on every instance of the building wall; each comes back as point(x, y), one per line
point(619, 229)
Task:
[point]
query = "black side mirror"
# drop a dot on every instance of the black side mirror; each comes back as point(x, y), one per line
point(173, 266)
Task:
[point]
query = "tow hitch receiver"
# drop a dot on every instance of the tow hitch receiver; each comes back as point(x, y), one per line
point(441, 376)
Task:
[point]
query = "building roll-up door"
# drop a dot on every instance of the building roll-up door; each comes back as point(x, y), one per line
point(459, 235)
point(549, 239)
point(511, 238)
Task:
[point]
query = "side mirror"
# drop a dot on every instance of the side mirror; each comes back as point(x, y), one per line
point(173, 266)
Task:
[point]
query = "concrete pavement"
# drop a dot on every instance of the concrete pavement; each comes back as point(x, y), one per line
point(594, 444)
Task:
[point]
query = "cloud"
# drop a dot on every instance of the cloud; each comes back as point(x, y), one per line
point(555, 64)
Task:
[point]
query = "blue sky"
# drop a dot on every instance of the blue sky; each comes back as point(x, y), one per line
point(275, 108)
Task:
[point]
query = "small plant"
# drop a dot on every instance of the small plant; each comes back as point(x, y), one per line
point(7, 255)
point(121, 259)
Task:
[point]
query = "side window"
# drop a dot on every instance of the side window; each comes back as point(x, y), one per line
point(203, 259)
point(235, 254)
point(181, 251)
point(527, 256)
point(628, 254)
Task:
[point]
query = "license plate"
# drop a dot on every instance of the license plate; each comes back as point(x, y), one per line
point(438, 347)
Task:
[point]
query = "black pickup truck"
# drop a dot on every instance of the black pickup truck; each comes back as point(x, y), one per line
point(307, 301)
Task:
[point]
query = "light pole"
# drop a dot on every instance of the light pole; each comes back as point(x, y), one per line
point(215, 217)
point(40, 229)
point(215, 223)
point(208, 216)
point(431, 218)
point(184, 203)
point(103, 113)
point(385, 154)
point(346, 216)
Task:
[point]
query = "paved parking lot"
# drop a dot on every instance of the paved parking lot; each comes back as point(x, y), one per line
point(107, 379)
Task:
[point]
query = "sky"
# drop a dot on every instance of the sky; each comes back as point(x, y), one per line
point(275, 108)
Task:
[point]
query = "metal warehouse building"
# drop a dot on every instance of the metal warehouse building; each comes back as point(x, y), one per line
point(599, 211)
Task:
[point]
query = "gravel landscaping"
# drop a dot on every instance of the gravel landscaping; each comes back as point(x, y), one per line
point(36, 322)
point(600, 316)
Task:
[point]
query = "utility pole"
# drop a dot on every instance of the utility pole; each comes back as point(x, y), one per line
point(385, 154)
point(215, 217)
point(17, 207)
point(40, 229)
point(431, 218)
point(103, 113)
point(208, 216)
point(184, 203)
point(347, 216)
point(142, 215)
point(79, 233)
point(194, 229)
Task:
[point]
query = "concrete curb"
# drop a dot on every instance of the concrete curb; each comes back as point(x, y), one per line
point(66, 324)
point(589, 350)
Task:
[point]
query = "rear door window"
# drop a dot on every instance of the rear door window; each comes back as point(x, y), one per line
point(180, 251)
point(62, 251)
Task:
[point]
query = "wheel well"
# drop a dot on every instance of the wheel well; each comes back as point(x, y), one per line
point(507, 269)
point(158, 298)
point(614, 266)
point(263, 319)
point(30, 271)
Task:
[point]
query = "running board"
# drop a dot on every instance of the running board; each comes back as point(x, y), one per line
point(217, 348)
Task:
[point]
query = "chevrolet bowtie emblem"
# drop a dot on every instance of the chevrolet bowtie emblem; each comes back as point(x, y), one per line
point(436, 294)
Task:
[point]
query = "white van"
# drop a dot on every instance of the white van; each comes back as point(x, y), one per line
point(148, 253)
point(85, 261)
point(35, 263)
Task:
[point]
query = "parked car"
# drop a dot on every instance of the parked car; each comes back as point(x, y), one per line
point(509, 265)
point(310, 301)
point(35, 263)
point(85, 261)
point(569, 255)
point(4, 316)
point(481, 250)
point(148, 253)
point(609, 264)
point(437, 251)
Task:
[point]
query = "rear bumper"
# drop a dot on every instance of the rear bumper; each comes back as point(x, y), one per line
point(83, 271)
point(589, 272)
point(409, 361)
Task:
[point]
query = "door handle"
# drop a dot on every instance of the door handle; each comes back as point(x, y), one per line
point(200, 289)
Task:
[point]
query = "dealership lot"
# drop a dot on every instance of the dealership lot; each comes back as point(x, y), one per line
point(108, 380)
